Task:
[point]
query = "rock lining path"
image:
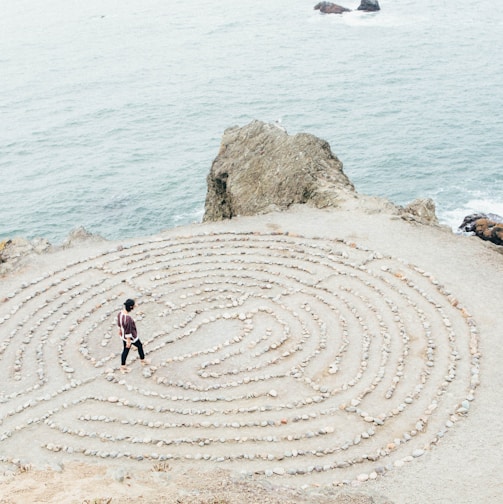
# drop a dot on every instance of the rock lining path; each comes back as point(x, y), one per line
point(304, 360)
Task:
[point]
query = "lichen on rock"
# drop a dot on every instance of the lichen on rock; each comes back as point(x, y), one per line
point(421, 210)
point(488, 227)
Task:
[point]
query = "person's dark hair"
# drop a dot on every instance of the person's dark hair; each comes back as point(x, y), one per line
point(129, 303)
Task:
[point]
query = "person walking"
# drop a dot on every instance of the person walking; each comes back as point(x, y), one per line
point(129, 334)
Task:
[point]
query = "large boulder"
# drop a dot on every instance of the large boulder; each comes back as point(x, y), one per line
point(489, 227)
point(260, 168)
point(490, 231)
point(421, 210)
point(470, 221)
point(330, 8)
point(369, 6)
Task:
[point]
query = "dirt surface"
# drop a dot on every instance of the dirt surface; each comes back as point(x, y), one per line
point(342, 356)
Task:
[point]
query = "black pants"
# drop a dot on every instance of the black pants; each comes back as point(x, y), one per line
point(125, 352)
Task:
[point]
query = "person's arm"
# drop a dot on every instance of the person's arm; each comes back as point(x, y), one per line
point(128, 330)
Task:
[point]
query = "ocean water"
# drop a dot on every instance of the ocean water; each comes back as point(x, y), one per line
point(112, 111)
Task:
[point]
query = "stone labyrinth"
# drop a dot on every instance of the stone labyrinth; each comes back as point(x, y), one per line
point(305, 360)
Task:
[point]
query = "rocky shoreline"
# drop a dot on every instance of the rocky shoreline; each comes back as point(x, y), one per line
point(261, 169)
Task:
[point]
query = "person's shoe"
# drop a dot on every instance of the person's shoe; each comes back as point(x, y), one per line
point(124, 369)
point(144, 362)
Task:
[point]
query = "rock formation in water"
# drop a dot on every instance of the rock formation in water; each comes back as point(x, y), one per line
point(490, 231)
point(489, 227)
point(331, 8)
point(369, 6)
point(469, 222)
point(260, 168)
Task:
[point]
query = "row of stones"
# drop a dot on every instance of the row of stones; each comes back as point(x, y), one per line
point(322, 344)
point(191, 317)
point(430, 361)
point(206, 424)
point(270, 297)
point(267, 377)
point(52, 284)
point(54, 311)
point(380, 455)
point(50, 312)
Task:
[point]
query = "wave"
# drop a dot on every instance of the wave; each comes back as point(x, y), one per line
point(454, 217)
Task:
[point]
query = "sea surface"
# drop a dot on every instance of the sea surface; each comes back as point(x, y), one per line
point(112, 111)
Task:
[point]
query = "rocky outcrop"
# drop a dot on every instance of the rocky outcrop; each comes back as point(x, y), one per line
point(260, 168)
point(490, 231)
point(489, 227)
point(470, 221)
point(369, 6)
point(12, 251)
point(80, 235)
point(330, 8)
point(421, 210)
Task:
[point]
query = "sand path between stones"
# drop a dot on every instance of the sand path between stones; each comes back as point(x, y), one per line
point(297, 355)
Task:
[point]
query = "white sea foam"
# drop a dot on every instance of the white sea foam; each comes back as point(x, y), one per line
point(454, 218)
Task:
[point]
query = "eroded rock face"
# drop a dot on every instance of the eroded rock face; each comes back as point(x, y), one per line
point(489, 227)
point(330, 8)
point(260, 168)
point(421, 210)
point(79, 235)
point(490, 231)
point(13, 251)
point(369, 6)
point(469, 222)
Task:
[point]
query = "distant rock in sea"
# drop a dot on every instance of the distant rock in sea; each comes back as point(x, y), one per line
point(369, 6)
point(332, 8)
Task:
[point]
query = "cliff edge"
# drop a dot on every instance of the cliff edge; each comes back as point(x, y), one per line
point(260, 168)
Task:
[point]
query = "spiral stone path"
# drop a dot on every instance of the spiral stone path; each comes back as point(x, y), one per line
point(271, 355)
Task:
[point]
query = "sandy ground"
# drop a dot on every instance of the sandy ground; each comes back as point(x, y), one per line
point(307, 356)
